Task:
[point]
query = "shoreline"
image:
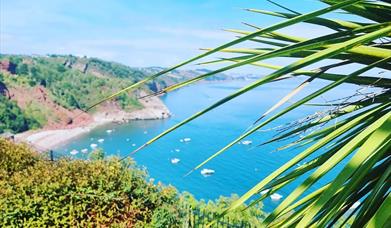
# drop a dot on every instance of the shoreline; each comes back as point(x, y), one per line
point(48, 139)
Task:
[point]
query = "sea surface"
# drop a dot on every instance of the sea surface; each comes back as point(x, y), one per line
point(236, 170)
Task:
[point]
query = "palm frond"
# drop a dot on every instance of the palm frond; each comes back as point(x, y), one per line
point(359, 138)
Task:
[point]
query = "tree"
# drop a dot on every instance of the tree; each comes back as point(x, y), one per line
point(12, 118)
point(22, 69)
point(361, 129)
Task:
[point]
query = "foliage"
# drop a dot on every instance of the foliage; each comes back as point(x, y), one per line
point(37, 112)
point(13, 119)
point(207, 211)
point(116, 69)
point(97, 154)
point(35, 192)
point(359, 138)
point(22, 69)
point(67, 84)
point(128, 104)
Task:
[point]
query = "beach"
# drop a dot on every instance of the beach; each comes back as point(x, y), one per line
point(47, 139)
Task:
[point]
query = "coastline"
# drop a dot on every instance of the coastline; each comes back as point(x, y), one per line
point(47, 139)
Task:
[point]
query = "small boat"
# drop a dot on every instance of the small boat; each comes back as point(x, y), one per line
point(74, 152)
point(175, 160)
point(177, 150)
point(247, 142)
point(101, 140)
point(186, 139)
point(93, 145)
point(134, 144)
point(207, 172)
point(85, 150)
point(145, 132)
point(109, 131)
point(265, 191)
point(276, 196)
point(180, 140)
point(127, 140)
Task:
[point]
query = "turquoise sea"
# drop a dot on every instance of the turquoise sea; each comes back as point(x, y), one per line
point(238, 169)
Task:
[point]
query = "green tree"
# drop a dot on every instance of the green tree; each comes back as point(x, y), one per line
point(12, 117)
point(22, 69)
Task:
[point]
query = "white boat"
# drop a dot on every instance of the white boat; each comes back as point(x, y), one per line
point(186, 139)
point(109, 131)
point(180, 140)
point(177, 150)
point(93, 145)
point(265, 191)
point(247, 142)
point(127, 140)
point(175, 160)
point(74, 152)
point(101, 140)
point(85, 150)
point(133, 144)
point(276, 196)
point(207, 172)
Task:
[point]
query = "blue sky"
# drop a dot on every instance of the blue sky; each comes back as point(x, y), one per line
point(137, 32)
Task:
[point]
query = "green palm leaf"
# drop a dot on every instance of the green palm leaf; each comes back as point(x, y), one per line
point(361, 128)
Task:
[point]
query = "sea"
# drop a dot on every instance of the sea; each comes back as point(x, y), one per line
point(236, 170)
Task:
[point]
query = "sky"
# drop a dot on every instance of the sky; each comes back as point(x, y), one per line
point(134, 32)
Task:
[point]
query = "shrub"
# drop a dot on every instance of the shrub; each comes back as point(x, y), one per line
point(12, 118)
point(35, 192)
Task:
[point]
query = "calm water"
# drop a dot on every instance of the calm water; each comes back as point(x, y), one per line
point(237, 170)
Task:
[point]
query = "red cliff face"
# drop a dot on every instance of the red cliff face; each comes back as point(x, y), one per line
point(59, 118)
point(6, 65)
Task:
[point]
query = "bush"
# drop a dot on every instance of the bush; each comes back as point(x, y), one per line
point(35, 192)
point(12, 118)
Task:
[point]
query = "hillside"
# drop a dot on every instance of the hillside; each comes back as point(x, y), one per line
point(48, 91)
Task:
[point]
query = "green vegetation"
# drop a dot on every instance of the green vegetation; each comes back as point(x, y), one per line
point(69, 81)
point(37, 192)
point(37, 112)
point(116, 69)
point(76, 83)
point(359, 138)
point(13, 119)
point(68, 84)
